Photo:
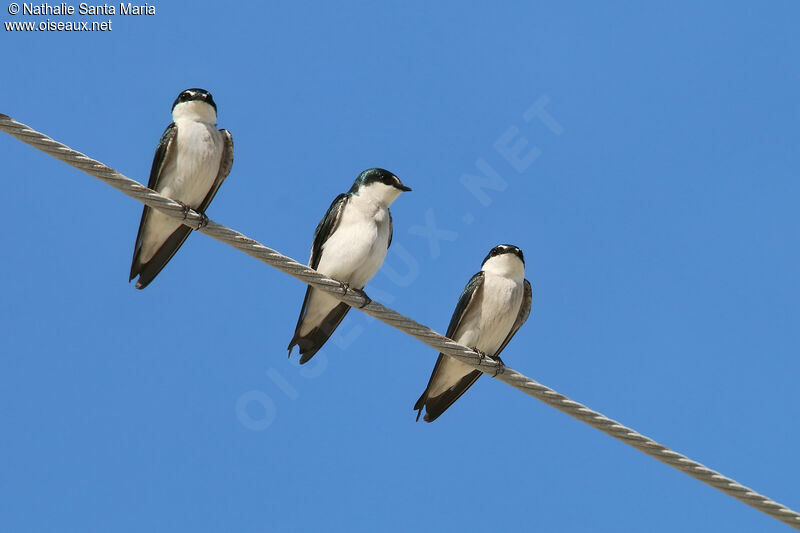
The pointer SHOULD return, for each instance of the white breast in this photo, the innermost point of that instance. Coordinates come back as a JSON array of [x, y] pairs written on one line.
[[492, 314], [353, 254], [357, 248], [190, 174]]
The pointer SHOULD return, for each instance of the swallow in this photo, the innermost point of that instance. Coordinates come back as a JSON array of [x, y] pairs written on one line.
[[493, 306], [350, 244], [192, 160]]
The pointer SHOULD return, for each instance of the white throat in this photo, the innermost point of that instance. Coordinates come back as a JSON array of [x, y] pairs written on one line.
[[379, 193], [506, 265], [196, 111]]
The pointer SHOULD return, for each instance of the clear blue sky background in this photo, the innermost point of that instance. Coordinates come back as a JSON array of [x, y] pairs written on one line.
[[660, 229]]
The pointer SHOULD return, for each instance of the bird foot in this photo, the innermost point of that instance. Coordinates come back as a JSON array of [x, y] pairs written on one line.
[[186, 209], [366, 299], [501, 366], [203, 218], [481, 354], [203, 221]]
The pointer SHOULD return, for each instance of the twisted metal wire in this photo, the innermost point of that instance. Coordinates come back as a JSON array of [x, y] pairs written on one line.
[[418, 331]]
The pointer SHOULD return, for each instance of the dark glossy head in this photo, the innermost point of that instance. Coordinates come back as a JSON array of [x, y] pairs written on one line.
[[501, 249], [190, 95], [378, 175]]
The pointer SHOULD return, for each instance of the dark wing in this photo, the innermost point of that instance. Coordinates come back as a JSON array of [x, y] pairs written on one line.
[[469, 292], [163, 153], [326, 227], [310, 343], [522, 316], [391, 229], [225, 164], [434, 407], [163, 150]]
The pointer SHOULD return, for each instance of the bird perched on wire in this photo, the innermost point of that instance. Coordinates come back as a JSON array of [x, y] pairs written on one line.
[[492, 307], [192, 160], [350, 244]]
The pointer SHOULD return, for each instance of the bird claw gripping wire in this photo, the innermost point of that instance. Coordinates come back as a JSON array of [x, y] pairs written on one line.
[[186, 209], [203, 221], [203, 218], [483, 356], [501, 366], [360, 292]]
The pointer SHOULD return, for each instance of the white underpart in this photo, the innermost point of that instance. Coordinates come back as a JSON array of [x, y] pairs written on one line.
[[356, 250], [488, 319], [191, 171]]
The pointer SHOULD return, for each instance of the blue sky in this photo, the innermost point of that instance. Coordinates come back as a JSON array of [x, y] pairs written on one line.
[[656, 204]]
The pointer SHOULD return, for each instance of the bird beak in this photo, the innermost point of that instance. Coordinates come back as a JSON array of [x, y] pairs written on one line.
[[404, 188]]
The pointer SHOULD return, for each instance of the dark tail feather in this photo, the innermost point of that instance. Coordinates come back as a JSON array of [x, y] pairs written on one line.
[[148, 271], [420, 404], [310, 343], [434, 407]]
